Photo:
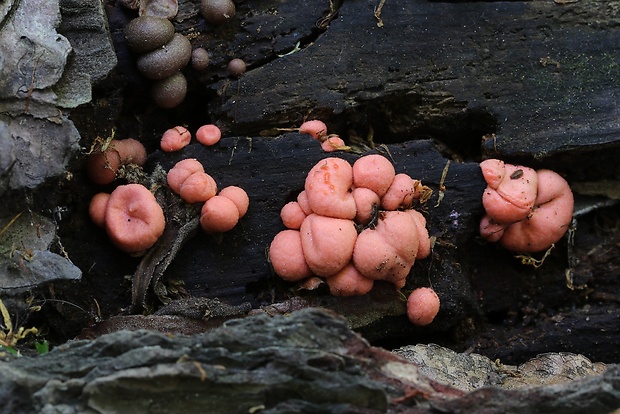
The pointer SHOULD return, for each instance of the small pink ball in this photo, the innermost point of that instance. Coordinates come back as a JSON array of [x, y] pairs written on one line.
[[97, 208], [375, 172], [198, 187], [238, 196], [292, 215], [287, 257], [208, 135], [349, 282], [422, 306], [218, 215], [175, 138], [333, 143], [315, 128]]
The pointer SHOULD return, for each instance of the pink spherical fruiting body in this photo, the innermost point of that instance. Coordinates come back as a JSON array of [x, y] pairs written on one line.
[[175, 139], [218, 215], [209, 134], [422, 306], [374, 172], [102, 167], [292, 215], [328, 188], [333, 143], [388, 251], [491, 230], [181, 170], [130, 151], [402, 193], [327, 243], [287, 257], [349, 282], [134, 221], [238, 196], [527, 210], [315, 128], [97, 208], [198, 187], [511, 190], [549, 219]]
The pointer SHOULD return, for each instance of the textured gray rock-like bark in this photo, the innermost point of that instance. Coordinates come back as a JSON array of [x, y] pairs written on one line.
[[25, 259], [308, 361], [42, 74]]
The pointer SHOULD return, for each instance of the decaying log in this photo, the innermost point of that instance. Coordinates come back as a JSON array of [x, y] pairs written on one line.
[[540, 75], [535, 82]]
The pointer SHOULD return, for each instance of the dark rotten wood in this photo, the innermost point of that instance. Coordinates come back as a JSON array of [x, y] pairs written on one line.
[[440, 78], [543, 75], [273, 172]]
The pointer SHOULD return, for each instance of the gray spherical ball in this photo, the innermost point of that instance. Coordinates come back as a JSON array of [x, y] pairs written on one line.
[[167, 60], [237, 67], [146, 33], [217, 11], [200, 59], [170, 92]]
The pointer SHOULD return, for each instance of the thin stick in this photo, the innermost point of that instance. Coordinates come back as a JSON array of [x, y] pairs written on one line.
[[378, 13]]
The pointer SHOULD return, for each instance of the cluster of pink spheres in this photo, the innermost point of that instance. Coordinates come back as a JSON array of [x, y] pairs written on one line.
[[219, 213], [318, 130], [133, 219], [179, 137], [526, 210], [322, 237]]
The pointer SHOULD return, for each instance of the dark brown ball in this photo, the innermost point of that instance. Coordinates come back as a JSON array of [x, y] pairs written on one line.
[[146, 33], [237, 67], [200, 59], [102, 167], [170, 92], [167, 60], [217, 11]]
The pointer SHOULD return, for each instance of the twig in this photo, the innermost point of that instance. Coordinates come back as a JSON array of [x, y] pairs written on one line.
[[527, 259], [378, 13], [182, 225], [10, 223], [442, 187]]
